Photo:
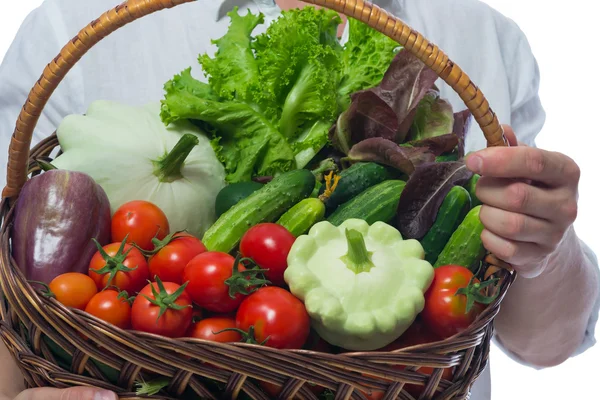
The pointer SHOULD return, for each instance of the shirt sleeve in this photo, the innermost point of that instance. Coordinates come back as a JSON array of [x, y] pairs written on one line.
[[39, 39]]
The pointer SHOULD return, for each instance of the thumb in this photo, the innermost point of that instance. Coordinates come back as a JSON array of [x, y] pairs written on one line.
[[74, 393]]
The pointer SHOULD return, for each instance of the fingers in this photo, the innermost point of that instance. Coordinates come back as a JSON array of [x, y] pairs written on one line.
[[74, 393], [529, 257], [556, 205], [550, 168], [520, 228]]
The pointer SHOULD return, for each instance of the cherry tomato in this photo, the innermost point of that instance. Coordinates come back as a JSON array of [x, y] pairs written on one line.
[[207, 329], [445, 313], [120, 265], [211, 278], [278, 318], [268, 245], [73, 289], [171, 300], [140, 221], [111, 306], [173, 255]]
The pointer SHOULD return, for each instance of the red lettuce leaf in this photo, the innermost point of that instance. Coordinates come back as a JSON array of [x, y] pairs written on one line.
[[438, 145], [386, 152], [462, 123], [386, 110], [424, 193]]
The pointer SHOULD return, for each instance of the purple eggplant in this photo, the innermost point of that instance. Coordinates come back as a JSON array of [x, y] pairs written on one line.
[[57, 215]]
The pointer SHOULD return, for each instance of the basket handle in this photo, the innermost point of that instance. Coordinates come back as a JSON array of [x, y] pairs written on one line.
[[131, 10]]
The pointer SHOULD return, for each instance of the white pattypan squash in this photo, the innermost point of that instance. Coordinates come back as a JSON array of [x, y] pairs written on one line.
[[130, 153]]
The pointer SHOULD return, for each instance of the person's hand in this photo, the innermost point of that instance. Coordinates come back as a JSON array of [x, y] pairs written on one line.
[[529, 201], [74, 393]]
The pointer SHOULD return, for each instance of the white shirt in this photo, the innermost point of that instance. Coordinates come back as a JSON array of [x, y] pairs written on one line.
[[133, 63]]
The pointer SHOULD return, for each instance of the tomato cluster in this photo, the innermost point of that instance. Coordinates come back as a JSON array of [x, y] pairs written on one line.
[[152, 280]]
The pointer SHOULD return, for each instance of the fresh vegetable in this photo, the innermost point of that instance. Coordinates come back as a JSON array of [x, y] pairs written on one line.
[[218, 282], [465, 246], [298, 219], [268, 245], [163, 309], [231, 194], [72, 289], [454, 300], [170, 256], [271, 98], [139, 221], [56, 216], [471, 186], [265, 205], [275, 317], [120, 265], [355, 180], [372, 288], [111, 306], [424, 193], [215, 329], [433, 117], [377, 203], [133, 156], [453, 210]]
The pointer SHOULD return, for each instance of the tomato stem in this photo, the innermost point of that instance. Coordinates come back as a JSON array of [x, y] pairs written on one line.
[[113, 264], [473, 293], [46, 292], [153, 387], [168, 168], [247, 337], [244, 282], [165, 300], [358, 258], [159, 244]]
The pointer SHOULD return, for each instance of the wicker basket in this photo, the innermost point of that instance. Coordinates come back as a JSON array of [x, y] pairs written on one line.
[[47, 339]]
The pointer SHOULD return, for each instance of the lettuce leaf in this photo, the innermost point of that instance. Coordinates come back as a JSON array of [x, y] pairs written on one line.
[[433, 117]]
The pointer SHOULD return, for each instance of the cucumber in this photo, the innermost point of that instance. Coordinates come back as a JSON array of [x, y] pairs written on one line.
[[231, 194], [453, 210], [300, 218], [464, 247], [266, 204], [377, 203], [471, 185], [354, 181]]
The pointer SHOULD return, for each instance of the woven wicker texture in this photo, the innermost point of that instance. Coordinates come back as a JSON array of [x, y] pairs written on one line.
[[60, 347]]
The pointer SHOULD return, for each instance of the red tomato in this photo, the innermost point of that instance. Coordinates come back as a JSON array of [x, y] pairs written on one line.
[[112, 307], [211, 279], [171, 300], [173, 255], [140, 221], [276, 316], [268, 245], [445, 313], [73, 289], [207, 329], [120, 265]]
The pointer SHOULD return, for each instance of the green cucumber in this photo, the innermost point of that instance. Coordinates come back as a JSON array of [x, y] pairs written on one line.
[[231, 194], [464, 247], [354, 181], [471, 186], [266, 204], [453, 210], [300, 218], [377, 203]]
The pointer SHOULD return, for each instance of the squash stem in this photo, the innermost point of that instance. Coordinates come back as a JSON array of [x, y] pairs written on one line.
[[168, 168], [358, 258]]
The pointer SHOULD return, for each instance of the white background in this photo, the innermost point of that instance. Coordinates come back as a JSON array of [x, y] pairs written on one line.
[[563, 36]]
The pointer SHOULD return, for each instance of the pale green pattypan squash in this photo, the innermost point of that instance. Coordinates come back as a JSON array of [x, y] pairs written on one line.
[[130, 153], [362, 285]]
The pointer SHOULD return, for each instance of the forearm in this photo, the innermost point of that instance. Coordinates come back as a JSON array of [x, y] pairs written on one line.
[[543, 320]]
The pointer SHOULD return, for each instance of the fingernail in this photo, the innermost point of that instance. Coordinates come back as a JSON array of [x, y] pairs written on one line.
[[474, 163], [105, 395]]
